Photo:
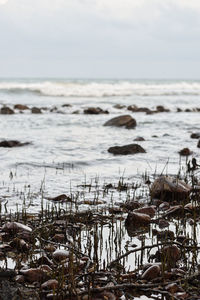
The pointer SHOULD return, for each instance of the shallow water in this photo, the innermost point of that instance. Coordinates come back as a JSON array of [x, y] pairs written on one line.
[[69, 149]]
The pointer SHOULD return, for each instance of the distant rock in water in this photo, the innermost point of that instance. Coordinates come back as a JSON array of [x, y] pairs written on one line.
[[170, 189], [12, 143], [198, 144], [127, 149], [139, 139], [185, 152], [195, 135], [5, 110], [95, 111], [21, 107], [126, 120], [36, 110]]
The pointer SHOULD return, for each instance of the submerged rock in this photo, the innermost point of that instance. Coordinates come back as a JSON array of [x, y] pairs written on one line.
[[95, 111], [12, 143], [126, 149], [5, 110], [170, 189], [122, 121]]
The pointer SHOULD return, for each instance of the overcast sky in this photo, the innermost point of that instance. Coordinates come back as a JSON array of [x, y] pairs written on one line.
[[100, 38]]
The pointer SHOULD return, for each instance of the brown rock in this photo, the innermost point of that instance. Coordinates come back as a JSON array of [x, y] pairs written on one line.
[[51, 284], [151, 273], [147, 210], [137, 219], [127, 149], [21, 107], [59, 237], [170, 255], [139, 139], [119, 106], [130, 205], [36, 110], [170, 189], [185, 152], [122, 121], [5, 110], [95, 111], [161, 108], [172, 288], [60, 254], [60, 198], [15, 227], [34, 275], [195, 135], [12, 143]]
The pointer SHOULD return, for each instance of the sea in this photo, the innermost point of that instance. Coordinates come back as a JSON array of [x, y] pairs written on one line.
[[69, 148]]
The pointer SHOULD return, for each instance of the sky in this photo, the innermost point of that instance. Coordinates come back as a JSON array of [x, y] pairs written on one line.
[[100, 38]]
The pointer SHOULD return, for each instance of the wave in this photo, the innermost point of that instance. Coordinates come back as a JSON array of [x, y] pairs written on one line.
[[101, 88]]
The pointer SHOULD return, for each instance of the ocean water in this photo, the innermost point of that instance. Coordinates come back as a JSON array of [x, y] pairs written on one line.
[[68, 149]]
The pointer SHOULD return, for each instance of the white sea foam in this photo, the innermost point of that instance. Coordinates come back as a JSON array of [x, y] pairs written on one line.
[[101, 88]]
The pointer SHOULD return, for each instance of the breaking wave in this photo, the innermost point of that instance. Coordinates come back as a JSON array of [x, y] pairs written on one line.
[[101, 88]]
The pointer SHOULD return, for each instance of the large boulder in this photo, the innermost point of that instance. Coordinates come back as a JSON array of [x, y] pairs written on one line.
[[170, 189], [126, 149], [122, 121]]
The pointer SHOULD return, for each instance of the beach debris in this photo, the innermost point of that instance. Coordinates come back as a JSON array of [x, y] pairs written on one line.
[[5, 110], [170, 189], [126, 149], [95, 111], [12, 143], [122, 121]]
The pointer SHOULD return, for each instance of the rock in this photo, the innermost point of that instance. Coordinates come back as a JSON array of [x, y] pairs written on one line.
[[19, 279], [170, 255], [185, 152], [5, 110], [95, 111], [12, 143], [36, 110], [60, 198], [126, 149], [170, 189], [137, 219], [198, 144], [66, 105], [195, 135], [147, 210], [34, 275], [179, 109], [60, 254], [176, 210], [134, 108], [161, 108], [139, 139], [15, 227], [163, 223], [119, 106], [19, 245], [130, 205], [21, 107], [122, 121], [59, 238], [172, 288], [51, 284], [151, 273]]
